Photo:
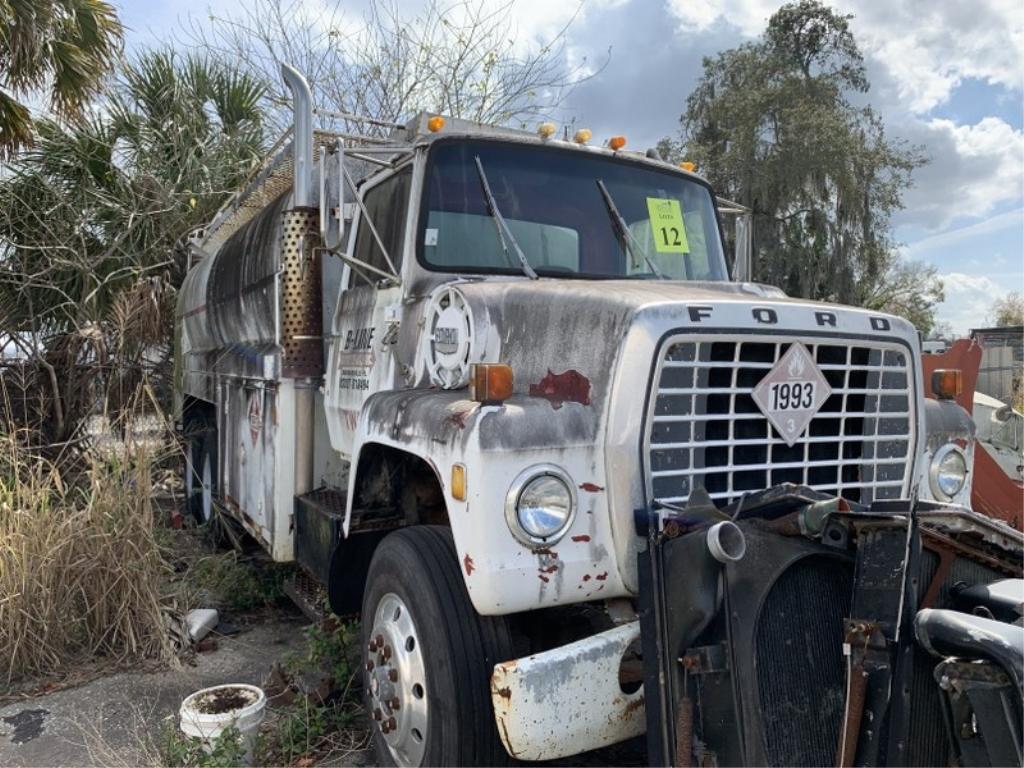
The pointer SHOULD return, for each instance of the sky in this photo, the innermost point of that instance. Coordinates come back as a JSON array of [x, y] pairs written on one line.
[[946, 76]]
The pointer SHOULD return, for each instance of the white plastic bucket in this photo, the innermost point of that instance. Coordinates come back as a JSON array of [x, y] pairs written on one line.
[[199, 722]]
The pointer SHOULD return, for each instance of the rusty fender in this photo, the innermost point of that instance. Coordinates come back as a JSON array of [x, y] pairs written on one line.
[[567, 700]]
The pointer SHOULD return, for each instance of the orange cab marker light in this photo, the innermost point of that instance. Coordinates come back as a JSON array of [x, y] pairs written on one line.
[[459, 482], [435, 124], [947, 383], [583, 135], [490, 383], [686, 165], [546, 130], [617, 142]]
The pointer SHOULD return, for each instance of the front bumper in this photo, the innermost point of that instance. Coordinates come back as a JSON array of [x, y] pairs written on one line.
[[569, 699]]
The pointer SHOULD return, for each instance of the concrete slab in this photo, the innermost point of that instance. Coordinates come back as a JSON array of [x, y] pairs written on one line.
[[117, 720]]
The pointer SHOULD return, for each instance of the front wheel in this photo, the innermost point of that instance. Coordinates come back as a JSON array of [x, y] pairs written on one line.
[[428, 656]]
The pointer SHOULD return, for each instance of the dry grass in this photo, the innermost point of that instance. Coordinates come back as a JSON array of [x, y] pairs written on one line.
[[81, 573]]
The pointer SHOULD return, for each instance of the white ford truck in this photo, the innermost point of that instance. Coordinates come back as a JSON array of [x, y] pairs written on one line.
[[475, 380]]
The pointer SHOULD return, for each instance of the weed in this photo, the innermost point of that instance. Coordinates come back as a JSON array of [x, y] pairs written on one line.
[[180, 751], [238, 584], [326, 720], [331, 647], [81, 574]]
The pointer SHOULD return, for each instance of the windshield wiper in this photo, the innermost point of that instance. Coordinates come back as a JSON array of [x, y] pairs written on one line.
[[622, 230], [505, 235]]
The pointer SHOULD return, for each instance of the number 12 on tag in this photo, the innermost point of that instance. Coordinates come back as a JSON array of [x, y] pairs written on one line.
[[667, 225]]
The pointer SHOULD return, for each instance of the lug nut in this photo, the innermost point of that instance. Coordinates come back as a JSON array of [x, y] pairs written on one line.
[[387, 652], [377, 714], [393, 675], [392, 723], [369, 665], [384, 728], [379, 640], [394, 703], [372, 646]]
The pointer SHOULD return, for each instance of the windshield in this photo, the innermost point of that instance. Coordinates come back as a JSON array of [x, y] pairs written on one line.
[[553, 203]]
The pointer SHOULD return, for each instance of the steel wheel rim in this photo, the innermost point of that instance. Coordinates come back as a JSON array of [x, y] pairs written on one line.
[[206, 508], [190, 472], [396, 681]]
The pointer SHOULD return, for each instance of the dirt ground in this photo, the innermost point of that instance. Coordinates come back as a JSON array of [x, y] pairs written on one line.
[[117, 720]]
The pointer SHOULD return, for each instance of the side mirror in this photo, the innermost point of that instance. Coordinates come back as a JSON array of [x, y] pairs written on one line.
[[335, 214], [742, 266]]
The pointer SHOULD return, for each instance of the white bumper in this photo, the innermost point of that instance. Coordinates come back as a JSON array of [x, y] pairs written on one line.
[[567, 700]]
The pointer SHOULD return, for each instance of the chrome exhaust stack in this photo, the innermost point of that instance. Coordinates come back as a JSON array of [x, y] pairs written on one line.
[[302, 136]]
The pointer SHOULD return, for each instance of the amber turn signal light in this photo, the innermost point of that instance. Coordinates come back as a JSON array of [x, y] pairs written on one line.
[[459, 482], [490, 383], [947, 383], [617, 142]]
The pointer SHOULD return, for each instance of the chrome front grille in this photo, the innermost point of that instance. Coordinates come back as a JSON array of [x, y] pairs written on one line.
[[704, 429]]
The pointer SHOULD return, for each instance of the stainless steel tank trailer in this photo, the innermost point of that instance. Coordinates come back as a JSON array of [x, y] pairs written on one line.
[[496, 392]]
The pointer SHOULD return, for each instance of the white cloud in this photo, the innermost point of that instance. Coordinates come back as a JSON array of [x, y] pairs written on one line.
[[749, 16], [969, 299], [929, 47], [943, 241], [925, 47], [539, 21], [973, 169]]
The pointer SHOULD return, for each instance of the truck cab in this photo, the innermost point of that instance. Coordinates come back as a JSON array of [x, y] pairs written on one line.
[[489, 387]]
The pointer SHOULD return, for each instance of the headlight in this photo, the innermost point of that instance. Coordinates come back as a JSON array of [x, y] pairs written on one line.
[[948, 472], [540, 505]]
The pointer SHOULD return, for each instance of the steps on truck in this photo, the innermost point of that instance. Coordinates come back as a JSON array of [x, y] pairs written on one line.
[[319, 529]]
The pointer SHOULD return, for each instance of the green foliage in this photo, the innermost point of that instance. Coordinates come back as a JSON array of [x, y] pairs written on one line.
[[304, 728], [94, 214], [1008, 310], [238, 585], [778, 126], [180, 751], [910, 289], [312, 724], [65, 47], [331, 647]]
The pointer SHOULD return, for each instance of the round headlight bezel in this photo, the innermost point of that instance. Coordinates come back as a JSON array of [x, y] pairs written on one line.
[[515, 492], [935, 471]]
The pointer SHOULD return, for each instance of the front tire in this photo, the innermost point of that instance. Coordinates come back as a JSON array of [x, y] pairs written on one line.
[[426, 650]]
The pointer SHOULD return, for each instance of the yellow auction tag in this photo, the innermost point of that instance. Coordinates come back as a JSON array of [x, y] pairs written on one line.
[[667, 225]]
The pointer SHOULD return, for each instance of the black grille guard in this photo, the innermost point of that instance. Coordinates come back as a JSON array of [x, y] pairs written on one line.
[[804, 652]]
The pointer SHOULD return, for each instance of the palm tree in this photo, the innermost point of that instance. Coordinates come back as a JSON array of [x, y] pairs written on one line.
[[93, 214], [64, 47]]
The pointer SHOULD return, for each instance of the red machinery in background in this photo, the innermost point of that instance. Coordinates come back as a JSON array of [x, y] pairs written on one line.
[[994, 492]]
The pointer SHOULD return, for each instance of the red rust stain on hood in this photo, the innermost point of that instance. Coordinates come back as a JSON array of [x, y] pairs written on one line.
[[467, 563], [591, 487], [559, 388], [581, 537]]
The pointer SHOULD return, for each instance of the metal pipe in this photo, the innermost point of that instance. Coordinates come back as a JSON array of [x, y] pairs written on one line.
[[302, 141], [726, 542]]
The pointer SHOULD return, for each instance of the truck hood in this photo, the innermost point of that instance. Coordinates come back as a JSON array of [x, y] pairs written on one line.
[[563, 337]]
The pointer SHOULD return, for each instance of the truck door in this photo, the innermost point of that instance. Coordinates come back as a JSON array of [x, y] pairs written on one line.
[[360, 361]]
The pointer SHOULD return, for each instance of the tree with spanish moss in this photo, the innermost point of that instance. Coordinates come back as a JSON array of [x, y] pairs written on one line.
[[780, 125]]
